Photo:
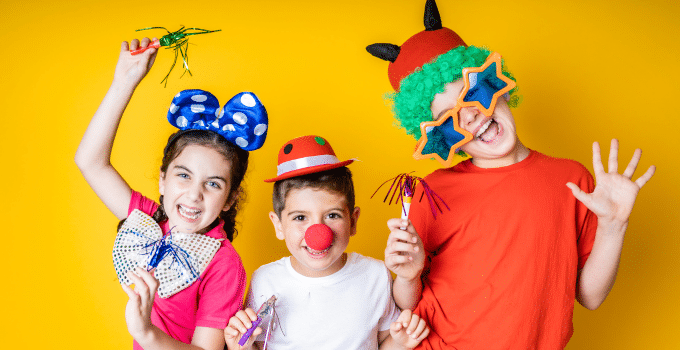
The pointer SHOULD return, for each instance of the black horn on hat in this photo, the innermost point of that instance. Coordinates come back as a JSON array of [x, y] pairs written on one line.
[[387, 52]]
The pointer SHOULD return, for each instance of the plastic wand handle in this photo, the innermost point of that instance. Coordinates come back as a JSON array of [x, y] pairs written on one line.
[[250, 331], [155, 44]]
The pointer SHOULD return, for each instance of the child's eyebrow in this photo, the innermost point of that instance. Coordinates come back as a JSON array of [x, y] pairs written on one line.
[[182, 167], [342, 209], [218, 178]]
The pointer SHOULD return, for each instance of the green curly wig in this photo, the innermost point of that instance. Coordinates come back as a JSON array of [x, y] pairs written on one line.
[[411, 105]]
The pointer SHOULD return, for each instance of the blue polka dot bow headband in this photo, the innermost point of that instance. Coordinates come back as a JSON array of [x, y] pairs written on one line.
[[242, 121]]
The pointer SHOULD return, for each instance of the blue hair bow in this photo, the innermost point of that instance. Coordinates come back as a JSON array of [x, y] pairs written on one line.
[[242, 121]]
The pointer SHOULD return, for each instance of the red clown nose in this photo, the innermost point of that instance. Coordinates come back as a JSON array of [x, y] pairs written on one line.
[[319, 237]]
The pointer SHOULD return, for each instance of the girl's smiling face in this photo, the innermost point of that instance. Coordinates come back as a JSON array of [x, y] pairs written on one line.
[[305, 207], [195, 189]]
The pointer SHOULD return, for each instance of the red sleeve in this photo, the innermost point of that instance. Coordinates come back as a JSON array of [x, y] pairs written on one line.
[[221, 291], [587, 222], [146, 205]]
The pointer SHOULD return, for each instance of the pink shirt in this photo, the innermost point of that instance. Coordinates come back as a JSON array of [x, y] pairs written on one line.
[[208, 302]]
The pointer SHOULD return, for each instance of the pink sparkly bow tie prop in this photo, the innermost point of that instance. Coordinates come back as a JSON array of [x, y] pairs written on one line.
[[179, 258]]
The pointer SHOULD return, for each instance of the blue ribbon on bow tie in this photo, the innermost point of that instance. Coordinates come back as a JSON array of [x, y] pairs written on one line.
[[242, 121], [165, 248]]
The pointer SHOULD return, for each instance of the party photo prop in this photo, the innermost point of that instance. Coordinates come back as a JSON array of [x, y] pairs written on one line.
[[441, 138], [306, 155], [243, 120], [484, 85], [402, 189], [266, 313], [416, 70], [176, 41], [179, 258]]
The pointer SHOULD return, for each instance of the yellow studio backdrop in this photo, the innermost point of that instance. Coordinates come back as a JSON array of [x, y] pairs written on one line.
[[588, 71]]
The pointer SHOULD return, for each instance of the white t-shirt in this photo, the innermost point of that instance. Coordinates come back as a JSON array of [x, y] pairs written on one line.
[[343, 311]]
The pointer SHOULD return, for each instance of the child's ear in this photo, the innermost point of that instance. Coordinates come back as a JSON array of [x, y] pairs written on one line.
[[161, 184], [232, 199], [277, 225], [355, 218]]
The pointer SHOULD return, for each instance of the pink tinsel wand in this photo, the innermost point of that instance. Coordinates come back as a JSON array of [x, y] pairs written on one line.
[[404, 187]]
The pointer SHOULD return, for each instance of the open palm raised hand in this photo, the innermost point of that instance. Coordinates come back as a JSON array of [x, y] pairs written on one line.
[[614, 194]]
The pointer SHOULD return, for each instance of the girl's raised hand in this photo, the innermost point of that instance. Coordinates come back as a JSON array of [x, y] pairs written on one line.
[[131, 69]]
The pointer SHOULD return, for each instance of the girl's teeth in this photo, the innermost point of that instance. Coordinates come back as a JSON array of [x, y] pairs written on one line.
[[189, 213]]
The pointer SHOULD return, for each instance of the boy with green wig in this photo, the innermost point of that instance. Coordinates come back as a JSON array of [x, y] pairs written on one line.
[[524, 234]]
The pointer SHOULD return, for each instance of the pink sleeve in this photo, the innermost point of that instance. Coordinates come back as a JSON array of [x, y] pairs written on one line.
[[221, 291], [587, 221], [146, 205]]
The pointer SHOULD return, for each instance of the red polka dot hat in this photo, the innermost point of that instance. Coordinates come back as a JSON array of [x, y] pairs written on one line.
[[306, 155]]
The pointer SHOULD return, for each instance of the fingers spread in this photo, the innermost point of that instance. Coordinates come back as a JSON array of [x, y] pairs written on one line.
[[646, 176], [578, 192], [597, 159], [613, 165], [632, 165]]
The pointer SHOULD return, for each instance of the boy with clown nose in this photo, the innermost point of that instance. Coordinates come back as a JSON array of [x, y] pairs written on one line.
[[325, 297], [525, 233]]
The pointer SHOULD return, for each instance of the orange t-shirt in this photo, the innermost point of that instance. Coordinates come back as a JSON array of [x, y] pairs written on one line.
[[502, 261]]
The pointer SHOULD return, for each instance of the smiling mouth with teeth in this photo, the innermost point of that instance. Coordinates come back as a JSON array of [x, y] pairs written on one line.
[[488, 131], [189, 213], [318, 252]]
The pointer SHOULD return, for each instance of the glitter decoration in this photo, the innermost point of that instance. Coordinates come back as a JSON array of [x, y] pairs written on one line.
[[179, 258]]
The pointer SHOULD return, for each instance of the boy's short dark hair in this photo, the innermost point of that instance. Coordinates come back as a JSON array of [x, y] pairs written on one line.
[[337, 180]]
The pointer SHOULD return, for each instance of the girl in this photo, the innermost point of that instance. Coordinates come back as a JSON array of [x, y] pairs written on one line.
[[199, 183]]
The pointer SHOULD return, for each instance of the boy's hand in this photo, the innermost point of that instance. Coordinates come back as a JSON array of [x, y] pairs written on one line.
[[138, 308], [132, 69], [404, 254], [614, 195], [238, 326], [409, 330]]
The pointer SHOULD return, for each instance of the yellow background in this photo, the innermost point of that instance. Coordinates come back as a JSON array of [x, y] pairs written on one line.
[[588, 71]]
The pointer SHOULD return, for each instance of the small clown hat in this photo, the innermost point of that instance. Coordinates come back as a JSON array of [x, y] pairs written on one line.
[[423, 47], [306, 155]]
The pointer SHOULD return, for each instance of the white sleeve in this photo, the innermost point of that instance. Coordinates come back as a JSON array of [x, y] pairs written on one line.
[[391, 312]]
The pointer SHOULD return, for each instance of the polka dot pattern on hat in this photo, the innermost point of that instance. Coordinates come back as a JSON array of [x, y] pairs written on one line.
[[242, 121]]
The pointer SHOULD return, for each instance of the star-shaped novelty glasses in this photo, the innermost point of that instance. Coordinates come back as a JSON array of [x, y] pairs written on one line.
[[483, 86]]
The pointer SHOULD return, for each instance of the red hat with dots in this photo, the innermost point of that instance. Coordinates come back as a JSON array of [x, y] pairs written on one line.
[[419, 49], [306, 155]]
